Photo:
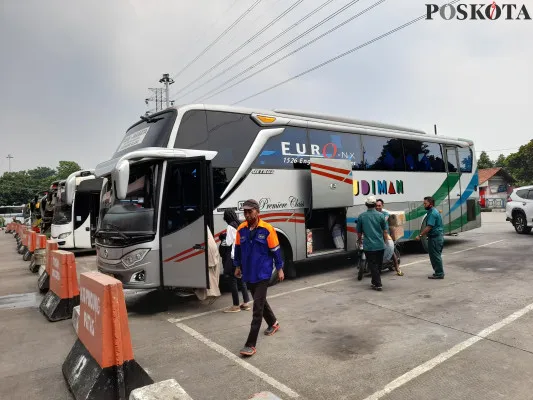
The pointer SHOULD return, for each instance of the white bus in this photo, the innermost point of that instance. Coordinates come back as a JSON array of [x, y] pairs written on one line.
[[175, 173], [76, 211], [13, 212]]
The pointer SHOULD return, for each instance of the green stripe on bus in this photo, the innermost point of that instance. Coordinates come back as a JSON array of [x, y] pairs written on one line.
[[439, 196], [455, 224]]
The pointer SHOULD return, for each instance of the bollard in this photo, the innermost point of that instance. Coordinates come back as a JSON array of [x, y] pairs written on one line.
[[39, 255], [100, 365], [64, 294], [44, 273], [23, 241], [30, 248], [18, 236]]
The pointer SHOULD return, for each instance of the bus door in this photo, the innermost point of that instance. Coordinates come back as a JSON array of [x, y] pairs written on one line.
[[81, 220], [331, 193], [186, 215], [331, 183], [94, 215], [457, 210]]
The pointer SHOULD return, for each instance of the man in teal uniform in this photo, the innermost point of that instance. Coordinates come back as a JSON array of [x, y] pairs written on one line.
[[435, 234], [373, 226]]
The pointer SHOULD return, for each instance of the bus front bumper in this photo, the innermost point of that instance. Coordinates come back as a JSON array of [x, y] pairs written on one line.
[[142, 276]]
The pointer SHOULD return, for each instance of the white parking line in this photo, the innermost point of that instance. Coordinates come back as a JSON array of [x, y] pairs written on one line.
[[477, 247], [428, 365], [175, 320], [225, 352]]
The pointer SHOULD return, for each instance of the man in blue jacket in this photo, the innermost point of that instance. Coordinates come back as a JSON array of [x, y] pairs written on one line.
[[256, 248]]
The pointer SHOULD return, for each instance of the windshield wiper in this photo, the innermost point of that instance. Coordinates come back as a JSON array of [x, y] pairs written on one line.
[[148, 118], [116, 230]]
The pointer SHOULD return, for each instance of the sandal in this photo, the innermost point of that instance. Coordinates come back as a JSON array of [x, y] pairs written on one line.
[[399, 273]]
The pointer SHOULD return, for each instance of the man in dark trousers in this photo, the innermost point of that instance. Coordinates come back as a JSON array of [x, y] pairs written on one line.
[[435, 233], [373, 226], [256, 248]]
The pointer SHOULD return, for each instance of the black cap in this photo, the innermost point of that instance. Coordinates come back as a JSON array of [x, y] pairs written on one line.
[[250, 205]]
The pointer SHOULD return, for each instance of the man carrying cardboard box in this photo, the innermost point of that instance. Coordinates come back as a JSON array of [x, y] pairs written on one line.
[[389, 246]]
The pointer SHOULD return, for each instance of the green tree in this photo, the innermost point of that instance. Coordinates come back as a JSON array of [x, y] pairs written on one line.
[[500, 161], [16, 188], [22, 186], [520, 164], [41, 173], [484, 161], [66, 168]]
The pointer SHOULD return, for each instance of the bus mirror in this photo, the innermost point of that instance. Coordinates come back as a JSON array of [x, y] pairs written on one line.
[[70, 187], [121, 178]]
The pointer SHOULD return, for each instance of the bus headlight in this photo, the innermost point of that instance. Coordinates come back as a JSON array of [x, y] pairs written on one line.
[[64, 235], [130, 259]]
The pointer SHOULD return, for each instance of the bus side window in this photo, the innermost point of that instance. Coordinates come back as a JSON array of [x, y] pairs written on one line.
[[465, 159], [192, 132], [451, 155], [183, 202], [382, 154], [423, 156]]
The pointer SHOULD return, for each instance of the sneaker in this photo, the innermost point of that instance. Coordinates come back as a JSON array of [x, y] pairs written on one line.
[[378, 288], [232, 309], [436, 276], [245, 307], [272, 329], [248, 351]]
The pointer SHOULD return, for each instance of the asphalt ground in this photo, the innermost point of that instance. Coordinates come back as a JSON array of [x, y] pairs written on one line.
[[464, 337]]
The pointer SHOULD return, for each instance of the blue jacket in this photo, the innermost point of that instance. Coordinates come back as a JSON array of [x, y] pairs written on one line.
[[256, 250]]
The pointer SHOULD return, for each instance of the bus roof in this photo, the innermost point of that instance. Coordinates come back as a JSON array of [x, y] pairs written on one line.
[[290, 117]]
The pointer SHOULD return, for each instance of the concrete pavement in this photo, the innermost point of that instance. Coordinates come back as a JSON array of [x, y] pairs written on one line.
[[338, 339]]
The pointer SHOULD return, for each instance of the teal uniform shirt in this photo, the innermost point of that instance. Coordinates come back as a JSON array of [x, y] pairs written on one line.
[[434, 219], [371, 224]]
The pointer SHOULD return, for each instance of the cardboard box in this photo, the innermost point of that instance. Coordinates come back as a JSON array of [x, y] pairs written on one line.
[[396, 218], [396, 232]]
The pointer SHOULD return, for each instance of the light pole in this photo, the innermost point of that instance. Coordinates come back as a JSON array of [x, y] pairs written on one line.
[[9, 157], [167, 81]]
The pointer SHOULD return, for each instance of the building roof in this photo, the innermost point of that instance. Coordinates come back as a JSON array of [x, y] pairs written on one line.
[[486, 174]]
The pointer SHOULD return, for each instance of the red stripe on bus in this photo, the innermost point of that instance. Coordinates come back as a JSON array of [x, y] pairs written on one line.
[[350, 229], [178, 255], [190, 256], [298, 221], [216, 237], [332, 169], [281, 214], [338, 178]]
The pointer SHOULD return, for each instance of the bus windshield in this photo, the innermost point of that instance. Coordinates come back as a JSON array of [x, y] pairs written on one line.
[[62, 214], [134, 216], [153, 131]]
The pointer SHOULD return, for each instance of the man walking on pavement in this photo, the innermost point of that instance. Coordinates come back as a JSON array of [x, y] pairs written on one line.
[[256, 248], [373, 226], [435, 234]]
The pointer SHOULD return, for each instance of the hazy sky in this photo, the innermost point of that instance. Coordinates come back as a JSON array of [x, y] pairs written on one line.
[[74, 74]]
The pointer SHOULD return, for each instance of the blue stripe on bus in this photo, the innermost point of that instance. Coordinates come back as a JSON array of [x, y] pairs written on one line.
[[351, 220], [466, 193]]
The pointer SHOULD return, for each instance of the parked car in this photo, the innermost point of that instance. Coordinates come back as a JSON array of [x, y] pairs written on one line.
[[519, 209]]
